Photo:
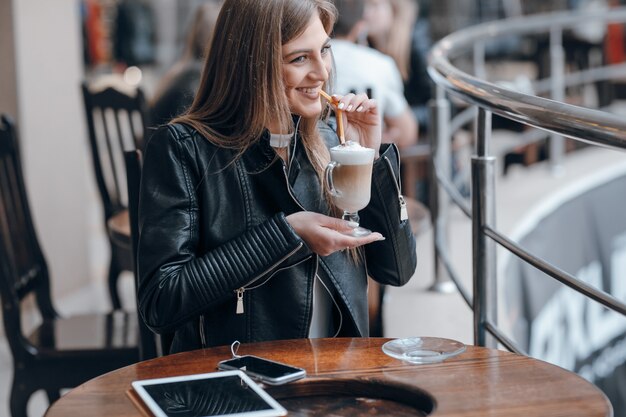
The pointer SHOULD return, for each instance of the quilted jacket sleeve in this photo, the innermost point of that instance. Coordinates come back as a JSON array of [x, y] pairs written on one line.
[[175, 282]]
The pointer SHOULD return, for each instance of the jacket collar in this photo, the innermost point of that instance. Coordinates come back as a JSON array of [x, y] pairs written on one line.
[[260, 155]]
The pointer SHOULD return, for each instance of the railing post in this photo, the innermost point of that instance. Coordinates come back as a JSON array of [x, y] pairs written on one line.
[[483, 248], [479, 60], [439, 201], [557, 75]]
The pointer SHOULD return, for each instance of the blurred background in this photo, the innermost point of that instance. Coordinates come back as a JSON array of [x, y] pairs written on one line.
[[47, 49]]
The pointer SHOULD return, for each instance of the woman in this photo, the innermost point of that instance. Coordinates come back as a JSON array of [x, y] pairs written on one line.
[[237, 240]]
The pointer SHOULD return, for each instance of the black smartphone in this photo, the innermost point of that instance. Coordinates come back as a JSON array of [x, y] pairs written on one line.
[[264, 370]]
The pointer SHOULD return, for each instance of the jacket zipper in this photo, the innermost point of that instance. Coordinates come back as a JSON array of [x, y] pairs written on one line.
[[239, 291], [404, 214]]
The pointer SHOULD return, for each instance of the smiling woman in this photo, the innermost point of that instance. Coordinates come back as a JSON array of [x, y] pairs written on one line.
[[238, 239]]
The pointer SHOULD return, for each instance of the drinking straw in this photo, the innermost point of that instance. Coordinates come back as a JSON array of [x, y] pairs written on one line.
[[338, 112], [326, 96]]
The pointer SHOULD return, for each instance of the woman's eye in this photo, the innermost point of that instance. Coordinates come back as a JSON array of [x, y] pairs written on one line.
[[298, 59], [325, 49]]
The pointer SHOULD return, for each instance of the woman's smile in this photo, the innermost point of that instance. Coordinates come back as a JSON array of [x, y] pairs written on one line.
[[312, 93]]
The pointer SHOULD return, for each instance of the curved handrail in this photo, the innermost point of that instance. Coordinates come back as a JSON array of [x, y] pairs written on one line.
[[565, 119], [579, 123]]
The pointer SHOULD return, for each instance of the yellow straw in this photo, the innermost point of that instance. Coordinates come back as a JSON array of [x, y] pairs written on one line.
[[338, 113], [326, 96]]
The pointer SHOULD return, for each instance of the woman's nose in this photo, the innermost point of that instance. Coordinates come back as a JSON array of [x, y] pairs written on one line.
[[320, 71]]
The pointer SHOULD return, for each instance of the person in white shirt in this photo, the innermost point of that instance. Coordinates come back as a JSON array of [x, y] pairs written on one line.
[[360, 69]]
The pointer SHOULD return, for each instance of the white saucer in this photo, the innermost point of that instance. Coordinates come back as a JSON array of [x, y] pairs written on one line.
[[423, 349]]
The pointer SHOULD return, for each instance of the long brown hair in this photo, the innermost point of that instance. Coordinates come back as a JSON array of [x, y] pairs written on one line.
[[242, 92]]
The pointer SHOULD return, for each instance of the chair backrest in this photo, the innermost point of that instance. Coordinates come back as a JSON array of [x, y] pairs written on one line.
[[116, 122], [23, 268], [133, 175]]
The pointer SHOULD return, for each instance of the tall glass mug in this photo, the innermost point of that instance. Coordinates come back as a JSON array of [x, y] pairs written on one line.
[[349, 178]]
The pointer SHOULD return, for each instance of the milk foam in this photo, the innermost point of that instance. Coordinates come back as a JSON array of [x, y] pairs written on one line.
[[352, 153]]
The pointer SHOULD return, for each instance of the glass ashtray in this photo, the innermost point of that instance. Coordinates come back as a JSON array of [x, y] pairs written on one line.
[[423, 349]]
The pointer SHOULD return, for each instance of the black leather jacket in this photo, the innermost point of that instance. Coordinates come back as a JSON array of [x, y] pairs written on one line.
[[210, 226]]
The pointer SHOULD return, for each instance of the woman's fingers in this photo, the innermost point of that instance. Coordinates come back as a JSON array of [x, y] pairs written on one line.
[[353, 242], [325, 235], [344, 226], [339, 225], [358, 108], [360, 116], [353, 102]]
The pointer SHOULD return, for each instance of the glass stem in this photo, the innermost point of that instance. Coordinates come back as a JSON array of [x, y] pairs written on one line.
[[351, 217]]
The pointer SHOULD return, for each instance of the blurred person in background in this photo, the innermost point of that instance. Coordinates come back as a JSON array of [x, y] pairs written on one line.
[[178, 86], [399, 28], [363, 69], [238, 238], [134, 33]]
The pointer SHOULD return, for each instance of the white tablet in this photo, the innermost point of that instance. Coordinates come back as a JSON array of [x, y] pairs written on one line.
[[229, 393]]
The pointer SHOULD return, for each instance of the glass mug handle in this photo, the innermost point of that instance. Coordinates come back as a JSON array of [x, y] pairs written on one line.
[[328, 174]]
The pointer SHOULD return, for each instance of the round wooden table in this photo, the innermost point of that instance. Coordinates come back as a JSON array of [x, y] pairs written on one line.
[[479, 382]]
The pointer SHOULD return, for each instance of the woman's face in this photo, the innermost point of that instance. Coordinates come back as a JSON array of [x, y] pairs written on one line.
[[379, 17], [306, 65]]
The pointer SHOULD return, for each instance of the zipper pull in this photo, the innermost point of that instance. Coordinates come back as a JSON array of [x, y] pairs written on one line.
[[240, 292], [404, 213]]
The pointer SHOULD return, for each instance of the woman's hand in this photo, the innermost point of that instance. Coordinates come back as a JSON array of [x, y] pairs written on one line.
[[324, 234], [361, 118]]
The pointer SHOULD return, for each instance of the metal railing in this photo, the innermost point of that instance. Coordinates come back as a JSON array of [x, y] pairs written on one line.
[[551, 115]]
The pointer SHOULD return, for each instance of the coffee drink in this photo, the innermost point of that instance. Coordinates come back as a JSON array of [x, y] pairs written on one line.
[[351, 176]]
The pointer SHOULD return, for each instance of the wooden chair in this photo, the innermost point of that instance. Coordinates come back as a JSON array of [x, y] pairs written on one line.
[[60, 352], [150, 344], [116, 122]]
